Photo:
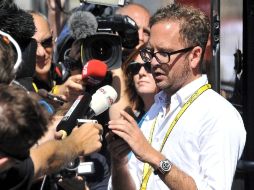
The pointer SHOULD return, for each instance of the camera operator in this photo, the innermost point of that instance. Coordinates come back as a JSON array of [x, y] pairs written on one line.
[[43, 71], [141, 16]]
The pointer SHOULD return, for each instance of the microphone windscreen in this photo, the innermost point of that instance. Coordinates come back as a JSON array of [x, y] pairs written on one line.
[[94, 71], [16, 22], [102, 99], [82, 24]]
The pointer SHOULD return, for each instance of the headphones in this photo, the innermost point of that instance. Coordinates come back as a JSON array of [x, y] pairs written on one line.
[[17, 48]]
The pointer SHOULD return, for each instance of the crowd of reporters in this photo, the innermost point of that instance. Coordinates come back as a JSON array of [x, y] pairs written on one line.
[[48, 85], [29, 86]]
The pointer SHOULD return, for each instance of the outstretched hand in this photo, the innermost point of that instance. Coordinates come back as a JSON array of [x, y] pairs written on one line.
[[127, 129], [71, 88], [87, 138]]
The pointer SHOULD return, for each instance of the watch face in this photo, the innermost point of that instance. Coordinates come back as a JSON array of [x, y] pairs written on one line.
[[165, 165]]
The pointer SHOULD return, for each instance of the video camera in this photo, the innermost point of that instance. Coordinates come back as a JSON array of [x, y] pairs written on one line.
[[114, 33]]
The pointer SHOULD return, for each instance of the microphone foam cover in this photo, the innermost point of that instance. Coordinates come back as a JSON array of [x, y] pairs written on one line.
[[82, 24], [94, 71]]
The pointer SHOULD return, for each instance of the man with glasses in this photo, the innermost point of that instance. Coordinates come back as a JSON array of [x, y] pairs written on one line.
[[43, 78], [191, 138]]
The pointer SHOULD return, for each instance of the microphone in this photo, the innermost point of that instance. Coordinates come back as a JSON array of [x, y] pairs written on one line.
[[77, 110], [82, 24], [94, 71], [17, 22], [102, 99], [87, 107], [47, 95]]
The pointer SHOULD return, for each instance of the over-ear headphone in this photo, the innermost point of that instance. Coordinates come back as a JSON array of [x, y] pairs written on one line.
[[17, 48]]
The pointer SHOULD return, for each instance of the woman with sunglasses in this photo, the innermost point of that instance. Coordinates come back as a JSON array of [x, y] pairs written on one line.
[[136, 87]]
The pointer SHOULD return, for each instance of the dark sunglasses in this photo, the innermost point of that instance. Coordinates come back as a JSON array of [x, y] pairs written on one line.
[[47, 42], [134, 67]]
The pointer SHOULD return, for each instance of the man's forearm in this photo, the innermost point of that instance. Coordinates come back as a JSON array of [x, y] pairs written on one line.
[[175, 179], [51, 156], [178, 180]]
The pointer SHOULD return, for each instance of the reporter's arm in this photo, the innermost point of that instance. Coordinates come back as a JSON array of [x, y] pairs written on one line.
[[51, 156]]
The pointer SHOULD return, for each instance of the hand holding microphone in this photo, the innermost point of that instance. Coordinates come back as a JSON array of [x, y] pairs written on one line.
[[87, 106], [93, 72]]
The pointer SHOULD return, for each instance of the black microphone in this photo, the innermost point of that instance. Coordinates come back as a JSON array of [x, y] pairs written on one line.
[[87, 107], [82, 24], [47, 95], [77, 110]]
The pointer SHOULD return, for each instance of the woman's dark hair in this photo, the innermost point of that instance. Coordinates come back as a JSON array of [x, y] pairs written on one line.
[[134, 98]]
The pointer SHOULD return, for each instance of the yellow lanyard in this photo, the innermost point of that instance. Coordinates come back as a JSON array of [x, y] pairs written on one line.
[[147, 171]]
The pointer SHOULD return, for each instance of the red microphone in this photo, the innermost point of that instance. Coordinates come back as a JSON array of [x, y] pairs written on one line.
[[94, 71]]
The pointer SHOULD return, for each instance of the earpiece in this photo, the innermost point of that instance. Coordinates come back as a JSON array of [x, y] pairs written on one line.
[[18, 50]]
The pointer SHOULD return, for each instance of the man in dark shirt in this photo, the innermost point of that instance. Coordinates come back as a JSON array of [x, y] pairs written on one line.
[[19, 176], [22, 122]]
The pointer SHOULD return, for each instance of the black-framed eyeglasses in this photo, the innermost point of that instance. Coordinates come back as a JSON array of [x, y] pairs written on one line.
[[47, 43], [134, 67], [161, 57]]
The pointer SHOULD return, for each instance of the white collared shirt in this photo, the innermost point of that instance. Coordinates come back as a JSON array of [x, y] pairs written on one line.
[[206, 142]]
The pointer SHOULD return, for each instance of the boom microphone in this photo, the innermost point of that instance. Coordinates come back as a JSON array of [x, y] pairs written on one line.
[[87, 107], [82, 24], [16, 22], [94, 71]]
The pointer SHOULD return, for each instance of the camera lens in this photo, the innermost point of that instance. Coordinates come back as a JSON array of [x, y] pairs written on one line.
[[105, 47], [101, 50]]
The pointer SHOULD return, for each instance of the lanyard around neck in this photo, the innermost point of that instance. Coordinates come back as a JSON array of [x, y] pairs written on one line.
[[147, 171]]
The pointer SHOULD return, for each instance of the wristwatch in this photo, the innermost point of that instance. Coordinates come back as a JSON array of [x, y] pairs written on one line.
[[164, 167]]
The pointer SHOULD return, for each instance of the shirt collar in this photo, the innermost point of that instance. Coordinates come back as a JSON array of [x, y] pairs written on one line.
[[184, 93]]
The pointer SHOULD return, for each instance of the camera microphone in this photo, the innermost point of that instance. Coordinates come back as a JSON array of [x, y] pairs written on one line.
[[94, 71], [47, 95], [82, 24], [87, 107]]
